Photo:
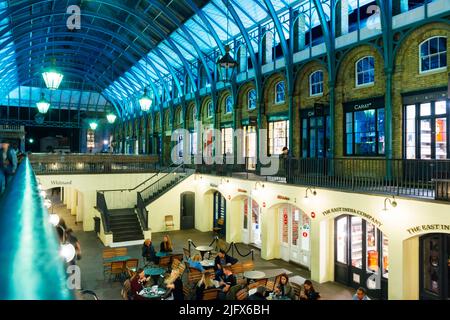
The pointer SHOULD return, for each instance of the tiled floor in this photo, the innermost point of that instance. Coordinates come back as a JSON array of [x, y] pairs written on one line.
[[92, 272]]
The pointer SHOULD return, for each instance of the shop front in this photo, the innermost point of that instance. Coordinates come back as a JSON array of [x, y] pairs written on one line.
[[435, 267], [249, 143], [278, 135], [251, 229], [219, 210], [315, 132], [294, 231], [361, 255]]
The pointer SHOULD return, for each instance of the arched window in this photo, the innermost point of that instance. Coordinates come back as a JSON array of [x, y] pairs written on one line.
[[179, 118], [209, 110], [229, 104], [252, 99], [433, 54], [280, 92], [316, 83], [365, 71]]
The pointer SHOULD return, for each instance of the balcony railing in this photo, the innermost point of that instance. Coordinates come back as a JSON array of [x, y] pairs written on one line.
[[47, 164], [413, 178]]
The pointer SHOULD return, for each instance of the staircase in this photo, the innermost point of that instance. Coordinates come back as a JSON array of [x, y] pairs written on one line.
[[124, 225]]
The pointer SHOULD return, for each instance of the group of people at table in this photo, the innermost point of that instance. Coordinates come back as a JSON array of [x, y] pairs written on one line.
[[217, 275]]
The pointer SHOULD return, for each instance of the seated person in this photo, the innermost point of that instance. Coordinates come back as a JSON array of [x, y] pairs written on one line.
[[148, 251], [166, 245], [260, 294], [227, 281], [360, 294], [284, 289], [309, 293], [138, 282], [222, 260], [206, 282], [194, 262]]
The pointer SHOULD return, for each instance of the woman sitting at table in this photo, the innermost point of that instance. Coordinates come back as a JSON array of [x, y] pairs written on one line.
[[195, 262], [207, 282], [137, 283], [284, 289], [166, 245], [148, 251], [175, 284], [309, 293]]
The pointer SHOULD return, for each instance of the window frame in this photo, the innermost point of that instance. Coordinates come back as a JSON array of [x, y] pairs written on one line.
[[356, 73], [276, 92], [315, 84], [227, 99], [437, 54], [249, 99], [208, 110]]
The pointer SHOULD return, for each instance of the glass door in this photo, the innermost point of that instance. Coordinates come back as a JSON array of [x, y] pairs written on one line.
[[250, 147], [356, 250], [294, 235], [220, 209], [255, 234], [245, 221]]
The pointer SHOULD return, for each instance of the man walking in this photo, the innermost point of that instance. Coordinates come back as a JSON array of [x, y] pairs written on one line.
[[8, 165]]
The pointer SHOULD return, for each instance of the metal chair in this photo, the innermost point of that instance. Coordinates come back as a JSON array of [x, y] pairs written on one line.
[[169, 222]]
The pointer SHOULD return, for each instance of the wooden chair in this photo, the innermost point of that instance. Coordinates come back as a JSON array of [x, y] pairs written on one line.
[[256, 284], [248, 265], [178, 257], [132, 265], [194, 276], [169, 222], [107, 254], [164, 262], [121, 252], [241, 294], [175, 264], [211, 294], [297, 290], [237, 268], [186, 253], [117, 269], [271, 285]]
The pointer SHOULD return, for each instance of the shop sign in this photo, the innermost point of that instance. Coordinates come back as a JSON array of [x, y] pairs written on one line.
[[280, 197], [362, 214], [429, 227], [61, 183], [242, 190], [213, 185]]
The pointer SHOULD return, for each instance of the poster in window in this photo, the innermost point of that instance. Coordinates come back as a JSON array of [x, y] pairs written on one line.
[[285, 226], [245, 214], [295, 223]]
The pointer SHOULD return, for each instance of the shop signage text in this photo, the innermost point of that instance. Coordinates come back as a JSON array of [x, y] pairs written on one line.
[[280, 197], [212, 185], [242, 190], [355, 212], [61, 183], [429, 227]]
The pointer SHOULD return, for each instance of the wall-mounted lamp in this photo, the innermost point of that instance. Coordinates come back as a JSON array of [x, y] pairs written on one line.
[[392, 203], [259, 185], [311, 190]]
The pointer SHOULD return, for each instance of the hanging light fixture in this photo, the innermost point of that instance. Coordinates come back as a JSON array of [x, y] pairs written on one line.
[[145, 102], [111, 117], [93, 125], [52, 77], [226, 65], [43, 105]]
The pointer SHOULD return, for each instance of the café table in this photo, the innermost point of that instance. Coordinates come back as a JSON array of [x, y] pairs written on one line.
[[154, 272], [203, 250], [117, 259], [162, 254], [254, 275]]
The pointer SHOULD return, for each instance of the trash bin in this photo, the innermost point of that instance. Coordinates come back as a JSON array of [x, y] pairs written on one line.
[[97, 224]]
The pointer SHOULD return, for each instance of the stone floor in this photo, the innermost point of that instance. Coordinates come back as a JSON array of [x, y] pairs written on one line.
[[92, 272]]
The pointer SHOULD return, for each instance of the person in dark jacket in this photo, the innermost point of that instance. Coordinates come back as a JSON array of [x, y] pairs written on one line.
[[260, 294], [148, 251], [309, 293], [222, 260], [8, 165], [228, 280]]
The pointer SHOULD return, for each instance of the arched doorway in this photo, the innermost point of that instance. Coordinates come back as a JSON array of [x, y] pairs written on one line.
[[251, 227], [294, 235], [219, 214], [434, 267], [361, 255], [187, 211]]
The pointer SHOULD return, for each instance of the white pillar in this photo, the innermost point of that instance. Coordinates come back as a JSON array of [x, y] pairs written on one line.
[[270, 247], [396, 269], [322, 251], [89, 198]]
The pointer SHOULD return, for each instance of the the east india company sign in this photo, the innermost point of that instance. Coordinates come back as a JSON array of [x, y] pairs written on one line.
[[429, 227], [354, 212]]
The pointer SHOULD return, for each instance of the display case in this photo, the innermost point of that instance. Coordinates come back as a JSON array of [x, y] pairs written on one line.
[[356, 242]]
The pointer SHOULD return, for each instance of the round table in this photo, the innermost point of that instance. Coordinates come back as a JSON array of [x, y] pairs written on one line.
[[154, 271], [254, 275], [162, 254], [203, 250], [117, 259]]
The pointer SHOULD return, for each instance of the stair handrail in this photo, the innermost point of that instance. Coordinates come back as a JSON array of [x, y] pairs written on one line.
[[162, 178], [130, 190], [142, 212], [102, 207]]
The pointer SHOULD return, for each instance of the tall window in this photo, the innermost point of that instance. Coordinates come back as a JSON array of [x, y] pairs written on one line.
[[364, 129], [316, 83], [426, 130], [433, 54], [365, 71], [227, 140], [210, 110], [229, 105], [252, 99], [280, 92], [193, 142], [278, 136]]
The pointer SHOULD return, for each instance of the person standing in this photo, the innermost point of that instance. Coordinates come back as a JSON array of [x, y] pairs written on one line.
[[8, 165]]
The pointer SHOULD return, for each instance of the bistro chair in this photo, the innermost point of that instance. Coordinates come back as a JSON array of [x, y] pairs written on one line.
[[241, 295], [107, 254], [117, 269], [258, 283], [178, 257], [121, 252], [194, 276], [169, 222], [175, 264], [211, 294], [271, 285], [164, 262], [132, 265], [297, 290], [186, 253]]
